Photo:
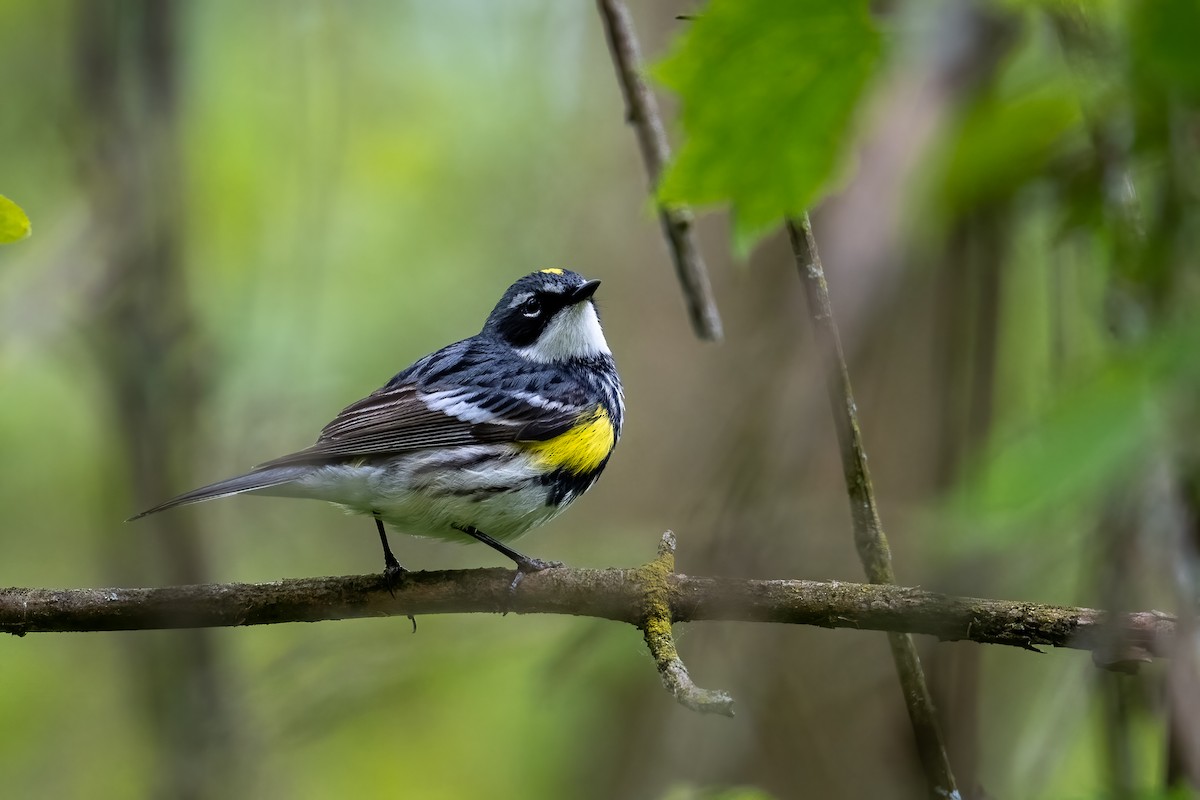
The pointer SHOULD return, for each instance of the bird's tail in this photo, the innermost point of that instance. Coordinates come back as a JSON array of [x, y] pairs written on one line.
[[251, 481]]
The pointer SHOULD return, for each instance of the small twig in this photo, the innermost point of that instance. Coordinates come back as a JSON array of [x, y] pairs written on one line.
[[869, 537], [642, 114], [656, 628]]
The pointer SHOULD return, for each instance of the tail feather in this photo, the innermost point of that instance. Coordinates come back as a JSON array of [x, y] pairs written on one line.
[[259, 479]]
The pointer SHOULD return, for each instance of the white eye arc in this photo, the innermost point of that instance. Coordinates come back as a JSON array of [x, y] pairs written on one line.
[[531, 307]]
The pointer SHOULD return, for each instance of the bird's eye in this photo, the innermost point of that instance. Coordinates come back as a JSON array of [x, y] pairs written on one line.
[[531, 307]]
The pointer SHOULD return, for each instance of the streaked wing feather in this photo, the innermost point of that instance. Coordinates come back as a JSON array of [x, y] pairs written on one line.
[[398, 419], [382, 410]]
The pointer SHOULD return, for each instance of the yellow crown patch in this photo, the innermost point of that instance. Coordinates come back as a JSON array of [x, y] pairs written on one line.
[[580, 450], [552, 271]]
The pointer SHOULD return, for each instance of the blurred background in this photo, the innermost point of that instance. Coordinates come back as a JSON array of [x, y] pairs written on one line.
[[247, 215]]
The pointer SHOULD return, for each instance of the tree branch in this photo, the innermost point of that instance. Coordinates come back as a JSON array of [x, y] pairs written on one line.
[[642, 114], [869, 537], [641, 597]]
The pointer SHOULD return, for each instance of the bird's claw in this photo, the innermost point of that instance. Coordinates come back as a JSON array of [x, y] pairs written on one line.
[[393, 576], [530, 565]]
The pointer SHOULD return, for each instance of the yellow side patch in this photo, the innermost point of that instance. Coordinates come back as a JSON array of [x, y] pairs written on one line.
[[552, 271], [580, 450]]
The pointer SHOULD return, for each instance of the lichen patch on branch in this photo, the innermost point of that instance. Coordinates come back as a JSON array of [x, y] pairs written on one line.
[[656, 629]]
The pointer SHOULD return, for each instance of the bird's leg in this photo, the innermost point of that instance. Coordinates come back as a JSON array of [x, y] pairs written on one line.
[[525, 564], [391, 567], [392, 571]]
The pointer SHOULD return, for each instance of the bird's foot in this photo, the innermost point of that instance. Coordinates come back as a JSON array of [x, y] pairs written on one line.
[[527, 565], [393, 575]]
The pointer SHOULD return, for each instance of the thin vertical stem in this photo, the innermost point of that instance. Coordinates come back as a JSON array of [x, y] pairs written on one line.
[[869, 537], [642, 114]]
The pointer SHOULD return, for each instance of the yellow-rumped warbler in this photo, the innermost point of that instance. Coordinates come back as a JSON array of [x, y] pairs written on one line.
[[485, 438]]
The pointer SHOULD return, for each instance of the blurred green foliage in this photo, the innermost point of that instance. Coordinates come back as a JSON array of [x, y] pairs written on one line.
[[1163, 46], [1070, 170], [359, 182], [14, 225], [1003, 143]]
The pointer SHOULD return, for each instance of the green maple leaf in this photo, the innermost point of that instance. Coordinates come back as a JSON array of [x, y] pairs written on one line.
[[768, 91]]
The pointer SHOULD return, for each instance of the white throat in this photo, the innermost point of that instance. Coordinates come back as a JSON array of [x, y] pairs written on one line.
[[574, 332]]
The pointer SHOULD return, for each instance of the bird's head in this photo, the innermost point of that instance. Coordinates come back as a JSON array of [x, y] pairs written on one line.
[[550, 317]]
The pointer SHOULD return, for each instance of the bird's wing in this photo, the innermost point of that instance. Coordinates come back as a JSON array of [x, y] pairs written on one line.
[[402, 417]]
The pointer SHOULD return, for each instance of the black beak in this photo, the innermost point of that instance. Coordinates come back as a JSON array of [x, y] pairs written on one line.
[[583, 292]]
